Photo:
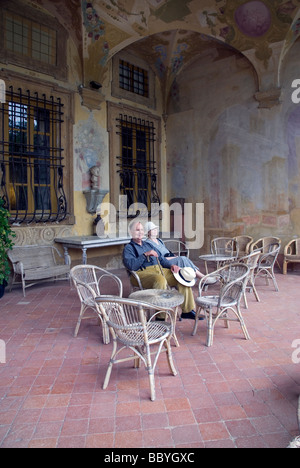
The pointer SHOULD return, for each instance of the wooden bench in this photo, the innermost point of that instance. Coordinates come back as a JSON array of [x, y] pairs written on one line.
[[37, 263]]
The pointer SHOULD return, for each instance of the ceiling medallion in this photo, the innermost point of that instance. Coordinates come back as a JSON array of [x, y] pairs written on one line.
[[253, 18]]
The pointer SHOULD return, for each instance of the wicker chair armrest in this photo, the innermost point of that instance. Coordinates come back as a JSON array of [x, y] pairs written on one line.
[[288, 247], [256, 246], [268, 258], [248, 246], [86, 286], [136, 277], [203, 281], [166, 311], [115, 279]]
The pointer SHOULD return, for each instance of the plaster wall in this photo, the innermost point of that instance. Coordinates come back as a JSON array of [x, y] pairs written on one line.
[[241, 161]]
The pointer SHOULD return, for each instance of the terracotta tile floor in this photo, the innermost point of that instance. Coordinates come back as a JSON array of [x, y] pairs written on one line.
[[237, 393]]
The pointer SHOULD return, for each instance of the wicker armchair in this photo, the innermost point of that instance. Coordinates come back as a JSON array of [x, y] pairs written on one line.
[[132, 325], [291, 254], [87, 279], [225, 303], [243, 243], [226, 246], [263, 244], [266, 263], [177, 247], [251, 261]]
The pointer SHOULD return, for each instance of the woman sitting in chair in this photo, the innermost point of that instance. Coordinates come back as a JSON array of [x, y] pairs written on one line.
[[181, 261], [154, 270]]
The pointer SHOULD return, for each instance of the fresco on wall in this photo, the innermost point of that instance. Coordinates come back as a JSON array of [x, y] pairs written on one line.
[[293, 138], [90, 150]]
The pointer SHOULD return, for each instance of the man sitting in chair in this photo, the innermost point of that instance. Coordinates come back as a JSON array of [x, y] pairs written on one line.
[[145, 260]]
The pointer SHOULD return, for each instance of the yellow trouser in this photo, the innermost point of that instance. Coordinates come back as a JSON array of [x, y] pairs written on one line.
[[151, 278]]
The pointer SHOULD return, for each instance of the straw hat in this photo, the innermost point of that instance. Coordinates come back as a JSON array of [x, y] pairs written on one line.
[[186, 276], [149, 226]]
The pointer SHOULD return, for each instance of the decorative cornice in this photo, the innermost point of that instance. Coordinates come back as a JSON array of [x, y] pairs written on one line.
[[91, 98]]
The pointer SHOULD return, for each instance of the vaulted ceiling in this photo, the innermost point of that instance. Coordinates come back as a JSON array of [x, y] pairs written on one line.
[[170, 33]]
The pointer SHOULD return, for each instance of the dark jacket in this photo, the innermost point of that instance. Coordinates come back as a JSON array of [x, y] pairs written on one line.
[[134, 258]]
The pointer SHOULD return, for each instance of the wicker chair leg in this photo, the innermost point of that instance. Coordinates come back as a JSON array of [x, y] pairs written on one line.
[[284, 267], [255, 291], [196, 321], [245, 299], [137, 363], [110, 365], [152, 384], [81, 313], [210, 329], [174, 332], [243, 325], [105, 332], [275, 282], [226, 323], [170, 357], [107, 376]]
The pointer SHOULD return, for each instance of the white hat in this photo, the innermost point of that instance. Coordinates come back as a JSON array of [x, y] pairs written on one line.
[[149, 226], [186, 276]]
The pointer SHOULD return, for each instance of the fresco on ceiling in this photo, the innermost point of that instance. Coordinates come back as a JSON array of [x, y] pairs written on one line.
[[95, 27], [172, 10], [252, 25], [253, 18], [161, 52], [137, 13], [256, 24]]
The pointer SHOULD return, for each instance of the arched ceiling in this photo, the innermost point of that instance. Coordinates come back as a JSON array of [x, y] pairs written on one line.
[[169, 52], [170, 32]]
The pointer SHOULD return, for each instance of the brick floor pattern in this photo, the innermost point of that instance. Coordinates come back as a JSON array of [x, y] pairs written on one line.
[[236, 394]]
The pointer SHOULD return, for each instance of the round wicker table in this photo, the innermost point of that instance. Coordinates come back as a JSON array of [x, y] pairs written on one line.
[[220, 260], [161, 297]]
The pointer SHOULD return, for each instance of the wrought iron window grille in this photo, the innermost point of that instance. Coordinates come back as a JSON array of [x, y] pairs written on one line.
[[31, 161], [133, 78], [137, 164]]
